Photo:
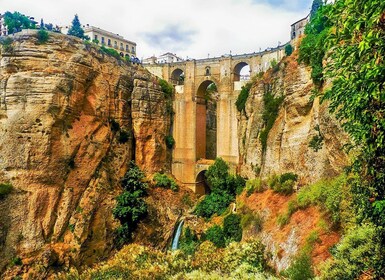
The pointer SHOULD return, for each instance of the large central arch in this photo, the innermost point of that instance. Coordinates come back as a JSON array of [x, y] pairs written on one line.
[[241, 71], [206, 121]]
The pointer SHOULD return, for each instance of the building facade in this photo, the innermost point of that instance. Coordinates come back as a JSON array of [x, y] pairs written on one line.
[[298, 27], [108, 39], [3, 27], [164, 58]]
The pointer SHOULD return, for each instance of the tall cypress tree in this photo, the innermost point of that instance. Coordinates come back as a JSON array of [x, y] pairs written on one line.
[[76, 28]]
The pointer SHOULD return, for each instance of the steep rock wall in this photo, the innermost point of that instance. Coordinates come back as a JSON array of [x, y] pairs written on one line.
[[287, 148], [60, 103]]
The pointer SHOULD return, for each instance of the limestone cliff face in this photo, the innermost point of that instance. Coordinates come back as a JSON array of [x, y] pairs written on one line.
[[297, 122], [59, 141]]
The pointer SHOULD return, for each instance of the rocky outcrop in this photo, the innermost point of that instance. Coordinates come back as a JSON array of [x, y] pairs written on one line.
[[299, 117], [71, 118]]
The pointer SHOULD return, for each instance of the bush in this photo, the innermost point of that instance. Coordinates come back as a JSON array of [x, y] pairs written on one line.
[[300, 269], [124, 136], [359, 251], [232, 228], [242, 97], [251, 219], [5, 189], [167, 89], [16, 261], [214, 203], [217, 175], [130, 207], [254, 185], [163, 181], [7, 44], [288, 49], [216, 236], [283, 220], [283, 184], [170, 142], [188, 242], [42, 36], [111, 52], [269, 115], [114, 125]]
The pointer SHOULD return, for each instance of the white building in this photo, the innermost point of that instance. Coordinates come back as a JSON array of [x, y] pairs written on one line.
[[3, 27], [108, 39], [164, 58], [298, 27]]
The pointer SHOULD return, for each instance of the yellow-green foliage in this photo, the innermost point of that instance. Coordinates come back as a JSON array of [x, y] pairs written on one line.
[[254, 185], [5, 189], [237, 261]]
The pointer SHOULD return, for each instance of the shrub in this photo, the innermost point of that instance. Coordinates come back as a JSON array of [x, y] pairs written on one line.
[[42, 36], [274, 65], [238, 182], [216, 236], [214, 203], [163, 181], [170, 142], [111, 52], [288, 176], [130, 207], [358, 251], [254, 185], [114, 125], [232, 228], [283, 184], [242, 97], [288, 49], [300, 269], [251, 219], [7, 44], [217, 175], [269, 115], [283, 220], [189, 242], [124, 136], [5, 189], [166, 88], [16, 261]]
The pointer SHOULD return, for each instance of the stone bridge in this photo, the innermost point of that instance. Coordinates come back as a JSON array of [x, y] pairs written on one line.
[[205, 122]]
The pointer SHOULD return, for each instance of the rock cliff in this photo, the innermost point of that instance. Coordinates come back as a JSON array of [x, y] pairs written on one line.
[[71, 118], [299, 121]]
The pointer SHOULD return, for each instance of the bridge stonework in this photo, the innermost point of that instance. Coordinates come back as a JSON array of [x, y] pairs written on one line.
[[189, 129]]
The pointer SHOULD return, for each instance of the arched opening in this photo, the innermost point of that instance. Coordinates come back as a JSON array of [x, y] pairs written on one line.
[[241, 72], [201, 184], [208, 71], [122, 54], [206, 120], [177, 77]]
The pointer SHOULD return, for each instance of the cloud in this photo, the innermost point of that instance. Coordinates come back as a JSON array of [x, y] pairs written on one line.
[[171, 36], [193, 28]]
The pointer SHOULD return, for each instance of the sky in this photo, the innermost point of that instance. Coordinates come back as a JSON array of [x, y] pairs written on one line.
[[188, 28]]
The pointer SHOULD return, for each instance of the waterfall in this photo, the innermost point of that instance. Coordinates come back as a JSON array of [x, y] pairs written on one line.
[[175, 241]]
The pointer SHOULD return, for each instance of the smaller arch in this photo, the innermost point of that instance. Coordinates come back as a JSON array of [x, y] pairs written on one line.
[[201, 186], [208, 71], [122, 54], [177, 77], [241, 71]]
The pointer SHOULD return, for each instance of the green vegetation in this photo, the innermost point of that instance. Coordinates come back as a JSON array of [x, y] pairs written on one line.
[[314, 46], [216, 235], [232, 229], [130, 207], [223, 186], [111, 52], [163, 181], [237, 261], [254, 185], [289, 49], [269, 115], [316, 142], [189, 242], [76, 28], [170, 142], [42, 36], [6, 43], [327, 194], [274, 65], [5, 189], [167, 88], [16, 22], [242, 97], [301, 269], [16, 261], [283, 184]]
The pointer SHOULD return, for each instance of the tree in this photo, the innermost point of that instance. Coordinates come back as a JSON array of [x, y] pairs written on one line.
[[288, 49], [16, 22], [41, 24], [76, 28], [314, 7]]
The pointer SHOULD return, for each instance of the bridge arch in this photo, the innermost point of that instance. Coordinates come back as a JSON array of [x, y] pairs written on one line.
[[241, 71], [206, 120], [177, 76], [201, 185]]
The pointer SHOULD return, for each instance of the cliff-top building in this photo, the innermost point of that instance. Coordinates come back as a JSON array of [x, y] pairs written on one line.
[[108, 39], [3, 27], [164, 58], [298, 27]]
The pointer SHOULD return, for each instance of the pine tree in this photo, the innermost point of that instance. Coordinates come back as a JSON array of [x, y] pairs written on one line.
[[76, 28], [315, 6]]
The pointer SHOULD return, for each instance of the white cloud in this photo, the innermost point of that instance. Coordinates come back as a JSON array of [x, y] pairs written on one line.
[[193, 28]]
